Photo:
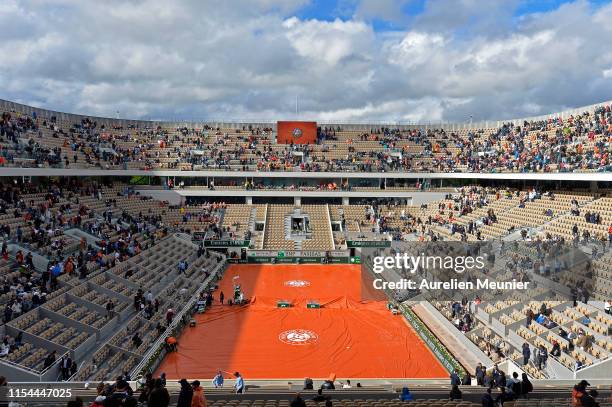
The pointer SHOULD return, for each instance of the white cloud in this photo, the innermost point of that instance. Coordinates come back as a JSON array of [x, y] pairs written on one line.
[[245, 59], [416, 48], [329, 42], [422, 110]]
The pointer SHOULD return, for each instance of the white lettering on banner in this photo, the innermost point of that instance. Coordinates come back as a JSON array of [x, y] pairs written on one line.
[[269, 253]]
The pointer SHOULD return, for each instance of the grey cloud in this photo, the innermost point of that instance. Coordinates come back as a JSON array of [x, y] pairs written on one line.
[[249, 59]]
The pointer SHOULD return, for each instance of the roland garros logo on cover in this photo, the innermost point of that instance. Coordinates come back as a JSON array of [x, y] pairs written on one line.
[[297, 283], [298, 337]]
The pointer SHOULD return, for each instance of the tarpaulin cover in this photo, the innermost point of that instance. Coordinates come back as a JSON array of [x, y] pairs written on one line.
[[353, 334]]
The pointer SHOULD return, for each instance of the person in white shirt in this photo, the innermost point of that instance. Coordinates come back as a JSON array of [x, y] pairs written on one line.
[[347, 385], [239, 385], [16, 308], [4, 348]]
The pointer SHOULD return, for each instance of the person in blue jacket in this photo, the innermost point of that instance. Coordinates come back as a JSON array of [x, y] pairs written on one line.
[[406, 395]]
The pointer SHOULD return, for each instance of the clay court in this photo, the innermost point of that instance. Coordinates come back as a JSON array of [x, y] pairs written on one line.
[[353, 335]]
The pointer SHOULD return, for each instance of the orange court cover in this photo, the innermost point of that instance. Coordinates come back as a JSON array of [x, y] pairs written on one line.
[[353, 334], [296, 132]]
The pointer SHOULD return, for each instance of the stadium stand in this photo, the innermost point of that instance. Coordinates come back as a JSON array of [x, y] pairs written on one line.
[[577, 143]]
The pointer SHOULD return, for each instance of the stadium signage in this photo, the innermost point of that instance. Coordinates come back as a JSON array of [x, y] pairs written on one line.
[[301, 254], [297, 260], [227, 243], [368, 243], [285, 253], [237, 261], [295, 257], [296, 132], [439, 350]]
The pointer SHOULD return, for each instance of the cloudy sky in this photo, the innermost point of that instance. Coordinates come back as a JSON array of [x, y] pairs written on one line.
[[392, 60]]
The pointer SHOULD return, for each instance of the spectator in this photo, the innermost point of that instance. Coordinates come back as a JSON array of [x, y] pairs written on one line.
[[136, 341], [502, 397], [65, 364], [579, 395], [50, 359], [480, 372], [159, 396], [146, 384], [487, 399], [319, 397], [406, 394], [98, 402], [185, 394], [500, 379], [591, 398], [218, 380], [488, 380], [542, 357], [514, 385], [121, 395], [454, 379], [526, 386], [455, 393], [199, 399], [298, 401], [526, 353], [77, 402], [239, 385]]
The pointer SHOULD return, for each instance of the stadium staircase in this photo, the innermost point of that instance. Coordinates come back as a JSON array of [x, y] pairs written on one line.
[[252, 218], [329, 228], [221, 216], [77, 234], [287, 227], [40, 262]]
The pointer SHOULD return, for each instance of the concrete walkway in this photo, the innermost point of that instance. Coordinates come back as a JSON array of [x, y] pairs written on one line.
[[450, 339]]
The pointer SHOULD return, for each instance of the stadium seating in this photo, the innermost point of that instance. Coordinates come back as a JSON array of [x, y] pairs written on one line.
[[275, 228], [74, 310], [575, 144]]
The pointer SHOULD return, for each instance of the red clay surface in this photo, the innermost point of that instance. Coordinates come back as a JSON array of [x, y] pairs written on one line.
[[353, 335]]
